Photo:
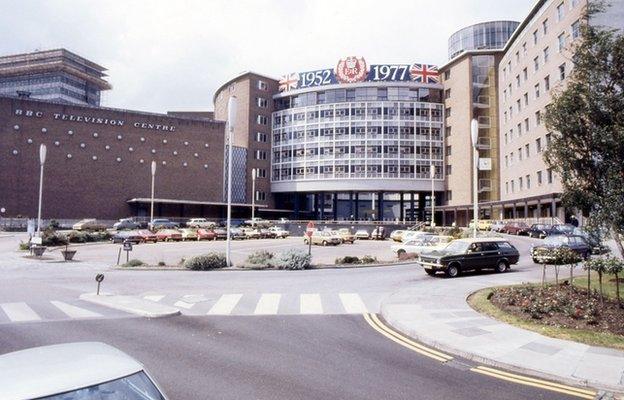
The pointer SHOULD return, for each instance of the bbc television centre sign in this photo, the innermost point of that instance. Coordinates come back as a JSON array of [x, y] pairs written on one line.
[[91, 119]]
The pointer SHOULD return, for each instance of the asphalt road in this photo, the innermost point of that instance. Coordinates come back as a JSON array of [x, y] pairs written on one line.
[[294, 357]]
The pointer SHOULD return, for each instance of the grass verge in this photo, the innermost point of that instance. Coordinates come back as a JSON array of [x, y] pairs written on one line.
[[480, 302], [608, 284]]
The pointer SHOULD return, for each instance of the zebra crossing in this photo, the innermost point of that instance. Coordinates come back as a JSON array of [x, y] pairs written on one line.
[[271, 303], [52, 310]]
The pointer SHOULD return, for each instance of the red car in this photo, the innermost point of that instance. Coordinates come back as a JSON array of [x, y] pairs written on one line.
[[147, 236], [516, 228], [206, 234], [168, 235]]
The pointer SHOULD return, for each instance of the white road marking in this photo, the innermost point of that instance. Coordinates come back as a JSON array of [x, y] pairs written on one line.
[[268, 304], [154, 297], [19, 312], [183, 304], [352, 303], [310, 304], [225, 304], [73, 311]]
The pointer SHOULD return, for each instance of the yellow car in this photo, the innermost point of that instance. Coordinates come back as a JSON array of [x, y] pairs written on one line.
[[484, 224], [189, 234], [346, 235], [397, 235]]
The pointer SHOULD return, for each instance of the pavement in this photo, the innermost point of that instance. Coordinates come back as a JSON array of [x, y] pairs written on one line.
[[438, 315]]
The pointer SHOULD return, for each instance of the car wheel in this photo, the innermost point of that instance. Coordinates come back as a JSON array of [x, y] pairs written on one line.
[[430, 272], [324, 243], [501, 266], [452, 270], [400, 253]]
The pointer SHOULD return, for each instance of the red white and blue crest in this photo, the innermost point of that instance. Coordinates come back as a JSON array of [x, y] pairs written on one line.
[[351, 69], [289, 82], [424, 73]]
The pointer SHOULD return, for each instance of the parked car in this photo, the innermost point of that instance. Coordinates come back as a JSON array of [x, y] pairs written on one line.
[[147, 236], [595, 243], [346, 235], [484, 224], [84, 370], [168, 235], [279, 232], [470, 254], [539, 230], [323, 238], [220, 232], [189, 233], [335, 234], [266, 233], [237, 234], [379, 233], [130, 236], [206, 234], [497, 226], [409, 235], [397, 235], [544, 252], [362, 234], [515, 228], [125, 223], [562, 229], [88, 224], [421, 244], [256, 221], [161, 223], [200, 223], [251, 233]]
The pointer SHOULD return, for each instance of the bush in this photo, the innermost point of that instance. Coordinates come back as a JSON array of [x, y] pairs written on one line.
[[369, 260], [161, 263], [261, 257], [24, 246], [293, 260], [205, 262], [54, 224], [133, 263], [85, 237], [52, 238], [347, 260]]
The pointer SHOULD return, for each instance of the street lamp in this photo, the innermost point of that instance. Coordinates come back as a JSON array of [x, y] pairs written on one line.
[[42, 158], [152, 199], [253, 195], [432, 174], [230, 132], [474, 135]]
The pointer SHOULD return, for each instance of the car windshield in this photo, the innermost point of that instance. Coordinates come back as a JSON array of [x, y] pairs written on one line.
[[457, 247], [134, 387]]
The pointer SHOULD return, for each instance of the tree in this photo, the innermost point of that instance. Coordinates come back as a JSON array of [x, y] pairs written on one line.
[[615, 266], [586, 118]]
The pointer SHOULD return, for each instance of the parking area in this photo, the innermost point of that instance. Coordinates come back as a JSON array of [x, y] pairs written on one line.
[[172, 252]]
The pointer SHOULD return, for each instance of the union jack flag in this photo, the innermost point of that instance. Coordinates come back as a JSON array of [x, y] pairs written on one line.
[[289, 82], [424, 73]]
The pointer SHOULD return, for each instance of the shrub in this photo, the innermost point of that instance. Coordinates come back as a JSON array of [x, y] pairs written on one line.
[[54, 224], [369, 260], [293, 260], [408, 256], [85, 237], [205, 262], [347, 260], [133, 263], [161, 263], [260, 257], [24, 246], [52, 238]]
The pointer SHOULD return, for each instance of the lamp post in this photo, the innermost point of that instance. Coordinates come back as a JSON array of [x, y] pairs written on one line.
[[230, 132], [152, 198], [253, 195], [42, 158], [474, 136], [432, 174]]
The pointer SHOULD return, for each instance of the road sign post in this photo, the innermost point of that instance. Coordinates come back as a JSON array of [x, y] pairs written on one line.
[[127, 246], [99, 278], [309, 230]]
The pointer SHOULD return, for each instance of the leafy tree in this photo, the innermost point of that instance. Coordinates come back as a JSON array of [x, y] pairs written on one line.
[[586, 118], [615, 266]]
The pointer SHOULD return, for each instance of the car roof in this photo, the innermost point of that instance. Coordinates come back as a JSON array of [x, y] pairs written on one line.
[[480, 240], [48, 370]]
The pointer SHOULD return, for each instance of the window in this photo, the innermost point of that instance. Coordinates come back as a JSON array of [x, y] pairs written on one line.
[[546, 53], [539, 178], [511, 158], [561, 42], [537, 91], [524, 49], [576, 29], [260, 173], [449, 195], [520, 183], [562, 72], [506, 187], [519, 130], [447, 131], [550, 175], [547, 83], [506, 161], [536, 63], [262, 102], [262, 120], [538, 118], [447, 74], [526, 124], [262, 85], [528, 181], [513, 186], [519, 153], [448, 169], [517, 80], [548, 139], [560, 12], [447, 112], [535, 37], [260, 196], [447, 94], [517, 57], [261, 137], [525, 74], [448, 150], [526, 99], [260, 155], [545, 26], [538, 145], [527, 150]]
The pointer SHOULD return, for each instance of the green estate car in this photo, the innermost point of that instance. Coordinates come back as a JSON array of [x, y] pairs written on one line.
[[470, 254]]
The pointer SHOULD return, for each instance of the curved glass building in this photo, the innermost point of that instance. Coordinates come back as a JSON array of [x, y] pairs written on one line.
[[359, 150], [483, 36]]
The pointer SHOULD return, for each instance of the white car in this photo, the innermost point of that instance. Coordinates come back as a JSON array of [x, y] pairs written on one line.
[[421, 244], [410, 235], [279, 232], [200, 223], [362, 234], [84, 370], [258, 222]]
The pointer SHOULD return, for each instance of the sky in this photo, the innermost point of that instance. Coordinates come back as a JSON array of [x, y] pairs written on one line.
[[173, 55]]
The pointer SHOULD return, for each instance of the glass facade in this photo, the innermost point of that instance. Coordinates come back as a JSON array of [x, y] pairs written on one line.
[[51, 86], [483, 36]]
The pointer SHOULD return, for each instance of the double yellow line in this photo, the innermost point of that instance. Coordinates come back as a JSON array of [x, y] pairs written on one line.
[[538, 383], [404, 341]]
